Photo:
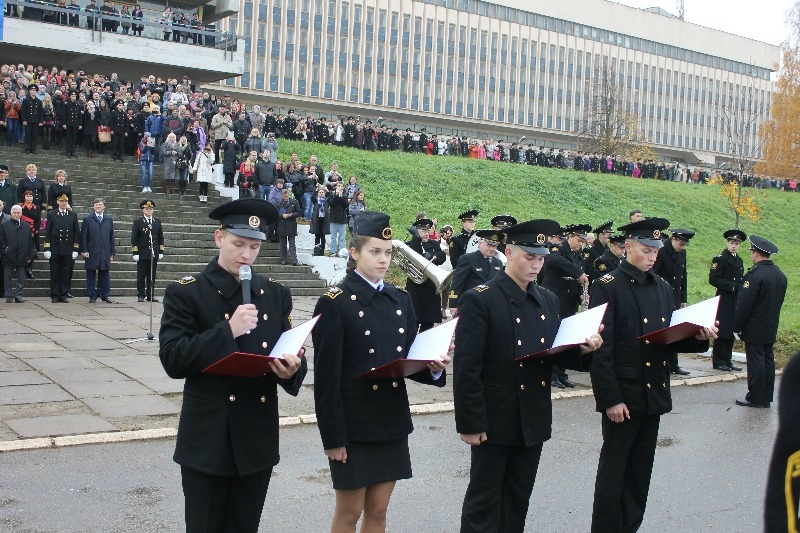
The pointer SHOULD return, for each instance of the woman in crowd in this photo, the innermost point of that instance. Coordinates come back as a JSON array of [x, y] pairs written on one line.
[[169, 151], [12, 107], [320, 221], [183, 163], [204, 169], [137, 14], [288, 212], [364, 423], [357, 206], [146, 158], [229, 151], [90, 123], [57, 188], [32, 215], [310, 184], [48, 121], [352, 188], [103, 121], [248, 186]]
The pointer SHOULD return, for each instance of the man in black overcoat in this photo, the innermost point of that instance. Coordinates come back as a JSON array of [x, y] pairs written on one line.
[[146, 258], [458, 244], [97, 246], [119, 130], [61, 244], [671, 265], [476, 267], [631, 378], [31, 118], [227, 440], [590, 254], [502, 406], [755, 320], [16, 251], [424, 296], [726, 275]]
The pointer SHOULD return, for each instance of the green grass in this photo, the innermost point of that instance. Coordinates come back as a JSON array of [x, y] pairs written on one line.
[[402, 184]]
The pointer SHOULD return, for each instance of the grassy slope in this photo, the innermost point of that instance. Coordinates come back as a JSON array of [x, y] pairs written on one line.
[[402, 184]]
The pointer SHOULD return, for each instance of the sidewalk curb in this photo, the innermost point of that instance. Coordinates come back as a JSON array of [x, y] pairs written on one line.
[[291, 421]]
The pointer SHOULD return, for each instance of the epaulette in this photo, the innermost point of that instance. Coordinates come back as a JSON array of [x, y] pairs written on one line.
[[272, 280], [481, 288], [607, 278], [399, 288], [333, 292], [601, 266], [185, 280], [714, 265]]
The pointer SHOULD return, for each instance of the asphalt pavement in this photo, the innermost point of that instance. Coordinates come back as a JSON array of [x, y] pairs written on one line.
[[709, 476]]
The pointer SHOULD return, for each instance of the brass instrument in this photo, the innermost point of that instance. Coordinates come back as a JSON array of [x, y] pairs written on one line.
[[417, 268], [585, 297]]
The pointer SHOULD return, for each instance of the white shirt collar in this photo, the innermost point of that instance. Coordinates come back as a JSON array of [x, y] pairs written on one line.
[[377, 286]]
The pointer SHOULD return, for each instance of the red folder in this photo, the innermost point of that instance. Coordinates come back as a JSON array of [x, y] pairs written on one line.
[[398, 369], [675, 333], [243, 365], [549, 352]]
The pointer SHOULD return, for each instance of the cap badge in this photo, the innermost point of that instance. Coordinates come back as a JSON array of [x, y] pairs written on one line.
[[254, 221], [387, 233], [656, 234], [540, 239]]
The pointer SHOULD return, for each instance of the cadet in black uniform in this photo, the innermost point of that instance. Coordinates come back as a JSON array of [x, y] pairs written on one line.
[[630, 377], [671, 265], [61, 241], [600, 245], [228, 432], [72, 122], [783, 483], [500, 223], [458, 244], [364, 423], [146, 260], [726, 274], [424, 296], [476, 268], [755, 320], [31, 118], [611, 257], [502, 407]]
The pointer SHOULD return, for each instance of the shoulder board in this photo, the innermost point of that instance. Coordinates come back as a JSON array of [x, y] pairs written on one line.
[[451, 243], [607, 278], [333, 292], [714, 265], [481, 288], [399, 288], [586, 254], [185, 280], [601, 266], [554, 248], [272, 280]]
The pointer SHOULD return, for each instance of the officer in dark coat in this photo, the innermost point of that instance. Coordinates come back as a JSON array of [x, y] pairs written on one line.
[[424, 296], [98, 246], [671, 265], [72, 122], [227, 438], [590, 254], [146, 258], [31, 117], [755, 320], [119, 130], [502, 406], [630, 377], [61, 243], [783, 483], [476, 268], [458, 243], [726, 274], [611, 257]]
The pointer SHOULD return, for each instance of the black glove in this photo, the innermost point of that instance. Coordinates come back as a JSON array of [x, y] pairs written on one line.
[[428, 256]]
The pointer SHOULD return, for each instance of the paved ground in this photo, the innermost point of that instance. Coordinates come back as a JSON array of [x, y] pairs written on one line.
[[67, 370]]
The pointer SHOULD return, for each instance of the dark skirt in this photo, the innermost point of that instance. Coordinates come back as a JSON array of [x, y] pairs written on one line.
[[369, 463]]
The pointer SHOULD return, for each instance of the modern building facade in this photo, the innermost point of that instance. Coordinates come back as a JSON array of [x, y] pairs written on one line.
[[497, 69]]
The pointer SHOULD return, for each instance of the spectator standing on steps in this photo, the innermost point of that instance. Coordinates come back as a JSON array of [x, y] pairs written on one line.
[[146, 158], [204, 170], [288, 212]]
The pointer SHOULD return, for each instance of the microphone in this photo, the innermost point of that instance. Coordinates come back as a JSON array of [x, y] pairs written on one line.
[[245, 275]]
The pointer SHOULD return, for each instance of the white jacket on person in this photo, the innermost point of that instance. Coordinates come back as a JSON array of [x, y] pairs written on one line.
[[204, 166]]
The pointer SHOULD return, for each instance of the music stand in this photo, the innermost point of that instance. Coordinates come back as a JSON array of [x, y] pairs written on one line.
[[149, 336]]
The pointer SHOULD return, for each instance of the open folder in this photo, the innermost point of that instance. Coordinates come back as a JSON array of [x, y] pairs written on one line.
[[573, 332], [686, 322], [435, 341], [251, 365]]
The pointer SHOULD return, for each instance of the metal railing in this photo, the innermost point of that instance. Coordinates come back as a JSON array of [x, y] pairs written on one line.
[[99, 23]]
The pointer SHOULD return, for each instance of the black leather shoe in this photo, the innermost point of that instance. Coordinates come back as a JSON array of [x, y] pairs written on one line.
[[722, 367], [154, 300], [108, 300], [54, 300], [681, 372], [566, 382], [9, 300], [63, 300], [69, 295], [92, 300], [18, 300], [557, 384], [140, 299], [735, 368], [746, 403]]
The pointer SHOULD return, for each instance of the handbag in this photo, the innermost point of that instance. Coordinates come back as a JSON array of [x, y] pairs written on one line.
[[104, 134], [182, 163]]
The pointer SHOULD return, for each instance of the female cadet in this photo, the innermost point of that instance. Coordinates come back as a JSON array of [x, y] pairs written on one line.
[[364, 423]]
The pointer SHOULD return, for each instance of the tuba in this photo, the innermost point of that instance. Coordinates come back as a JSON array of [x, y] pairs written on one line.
[[417, 268]]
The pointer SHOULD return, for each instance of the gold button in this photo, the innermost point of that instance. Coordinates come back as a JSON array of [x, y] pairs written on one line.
[[632, 280], [663, 319], [664, 385], [521, 365], [519, 343], [352, 296], [371, 350], [544, 383], [401, 330], [361, 313], [366, 332], [647, 342], [645, 321], [543, 317], [264, 344], [374, 387], [664, 363], [232, 398], [518, 320], [647, 363], [263, 399], [399, 348], [394, 384], [648, 385], [265, 316], [522, 387], [541, 340], [227, 316], [399, 312]]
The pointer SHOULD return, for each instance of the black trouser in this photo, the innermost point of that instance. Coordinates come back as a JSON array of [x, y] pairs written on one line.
[[722, 352], [60, 275], [623, 473], [118, 145], [217, 145], [72, 137], [203, 188], [217, 504], [31, 134], [145, 277], [760, 372], [501, 480]]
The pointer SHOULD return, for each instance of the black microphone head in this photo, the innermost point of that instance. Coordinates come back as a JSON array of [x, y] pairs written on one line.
[[245, 273]]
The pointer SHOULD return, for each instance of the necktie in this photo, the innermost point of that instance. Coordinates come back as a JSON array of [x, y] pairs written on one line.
[[62, 213], [99, 218]]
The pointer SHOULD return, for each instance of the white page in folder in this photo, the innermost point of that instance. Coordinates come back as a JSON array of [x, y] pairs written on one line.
[[703, 314], [575, 329], [433, 343], [292, 340]]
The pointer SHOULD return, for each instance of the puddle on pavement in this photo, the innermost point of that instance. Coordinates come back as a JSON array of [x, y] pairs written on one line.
[[665, 442], [323, 475]]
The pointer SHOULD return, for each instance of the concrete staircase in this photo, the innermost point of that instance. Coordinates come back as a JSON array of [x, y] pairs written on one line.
[[188, 232]]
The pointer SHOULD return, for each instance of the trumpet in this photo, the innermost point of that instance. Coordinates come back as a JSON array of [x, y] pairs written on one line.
[[417, 268]]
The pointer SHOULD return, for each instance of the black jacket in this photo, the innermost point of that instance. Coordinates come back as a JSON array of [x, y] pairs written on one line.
[[671, 265], [31, 110], [726, 275], [337, 208], [473, 269], [604, 264], [228, 425], [265, 173], [287, 227], [140, 238], [458, 246], [16, 243], [758, 306], [62, 235], [560, 274], [426, 301]]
